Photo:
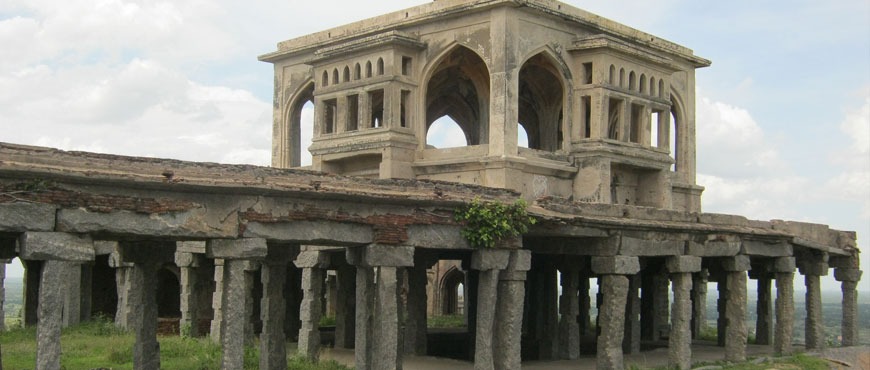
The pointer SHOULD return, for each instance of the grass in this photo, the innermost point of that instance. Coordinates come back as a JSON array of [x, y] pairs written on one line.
[[99, 344], [797, 362], [446, 321]]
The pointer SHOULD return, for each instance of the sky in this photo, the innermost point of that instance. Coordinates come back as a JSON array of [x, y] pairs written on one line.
[[783, 114]]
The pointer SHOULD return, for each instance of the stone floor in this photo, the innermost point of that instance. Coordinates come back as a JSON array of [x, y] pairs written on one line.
[[703, 352]]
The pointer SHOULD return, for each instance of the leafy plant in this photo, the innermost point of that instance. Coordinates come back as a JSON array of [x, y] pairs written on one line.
[[487, 223]]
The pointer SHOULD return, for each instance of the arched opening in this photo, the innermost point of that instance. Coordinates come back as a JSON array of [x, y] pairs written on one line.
[[168, 294], [652, 86], [445, 133], [622, 77], [661, 88], [325, 81], [540, 103], [522, 136], [346, 74], [300, 128], [459, 89], [632, 81], [356, 71], [642, 87], [380, 66], [368, 69], [612, 76], [676, 123], [335, 76], [452, 294]]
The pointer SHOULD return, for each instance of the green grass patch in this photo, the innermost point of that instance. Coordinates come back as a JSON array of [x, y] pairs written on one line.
[[100, 344], [799, 361], [446, 321]]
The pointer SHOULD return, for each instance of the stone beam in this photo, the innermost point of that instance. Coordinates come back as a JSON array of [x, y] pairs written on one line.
[[378, 255], [188, 224], [643, 247], [616, 265], [312, 232], [56, 246], [246, 248], [714, 249], [20, 217], [759, 248], [436, 236]]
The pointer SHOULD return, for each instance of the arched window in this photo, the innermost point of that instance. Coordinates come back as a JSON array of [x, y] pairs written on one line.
[[612, 77], [300, 129], [346, 74], [459, 88], [661, 88], [622, 77], [642, 88], [325, 81], [356, 72], [335, 76], [632, 81], [369, 69], [540, 103], [652, 86], [380, 66]]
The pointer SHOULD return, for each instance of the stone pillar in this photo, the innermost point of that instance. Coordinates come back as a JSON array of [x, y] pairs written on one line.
[[313, 265], [377, 309], [735, 307], [415, 322], [58, 251], [764, 312], [543, 309], [611, 316], [345, 322], [784, 267], [509, 311], [72, 299], [680, 337], [699, 302], [217, 330], [631, 339], [569, 309], [3, 263], [124, 287], [235, 294], [273, 351], [488, 263], [721, 308], [848, 278], [188, 302], [146, 257], [815, 329]]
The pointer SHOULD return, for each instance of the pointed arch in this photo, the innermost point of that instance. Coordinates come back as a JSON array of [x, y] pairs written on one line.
[[290, 140], [612, 76], [678, 122], [652, 86], [369, 69], [356, 72], [642, 87], [325, 81], [335, 76], [457, 85], [346, 74], [449, 288], [543, 80], [622, 77], [380, 66], [632, 81]]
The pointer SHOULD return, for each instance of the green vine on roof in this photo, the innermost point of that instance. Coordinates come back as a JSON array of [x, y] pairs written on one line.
[[487, 223]]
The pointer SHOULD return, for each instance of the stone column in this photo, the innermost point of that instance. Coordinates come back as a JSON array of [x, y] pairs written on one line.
[[735, 307], [569, 309], [764, 311], [415, 322], [345, 322], [188, 302], [234, 293], [585, 304], [509, 311], [146, 257], [313, 265], [377, 309], [611, 316], [273, 351], [124, 287], [815, 329], [488, 263], [849, 277], [72, 300], [680, 338], [631, 340], [58, 251], [699, 302], [721, 308], [3, 293], [217, 331], [784, 267]]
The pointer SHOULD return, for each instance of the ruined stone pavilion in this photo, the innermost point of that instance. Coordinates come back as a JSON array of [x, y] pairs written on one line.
[[369, 235]]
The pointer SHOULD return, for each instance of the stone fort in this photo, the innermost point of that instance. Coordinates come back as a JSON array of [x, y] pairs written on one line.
[[367, 233]]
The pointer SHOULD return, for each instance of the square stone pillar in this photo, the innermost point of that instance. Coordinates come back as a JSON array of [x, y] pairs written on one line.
[[631, 339], [815, 328], [849, 278], [146, 257], [377, 344], [699, 302], [123, 286], [235, 293], [415, 321], [72, 300], [569, 310], [187, 262], [509, 311], [735, 307], [680, 337], [488, 262], [345, 318], [764, 312], [313, 265], [585, 304], [216, 332], [273, 351], [59, 251], [611, 315], [784, 268]]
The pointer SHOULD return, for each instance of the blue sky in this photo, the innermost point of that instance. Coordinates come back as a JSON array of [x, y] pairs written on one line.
[[783, 113]]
